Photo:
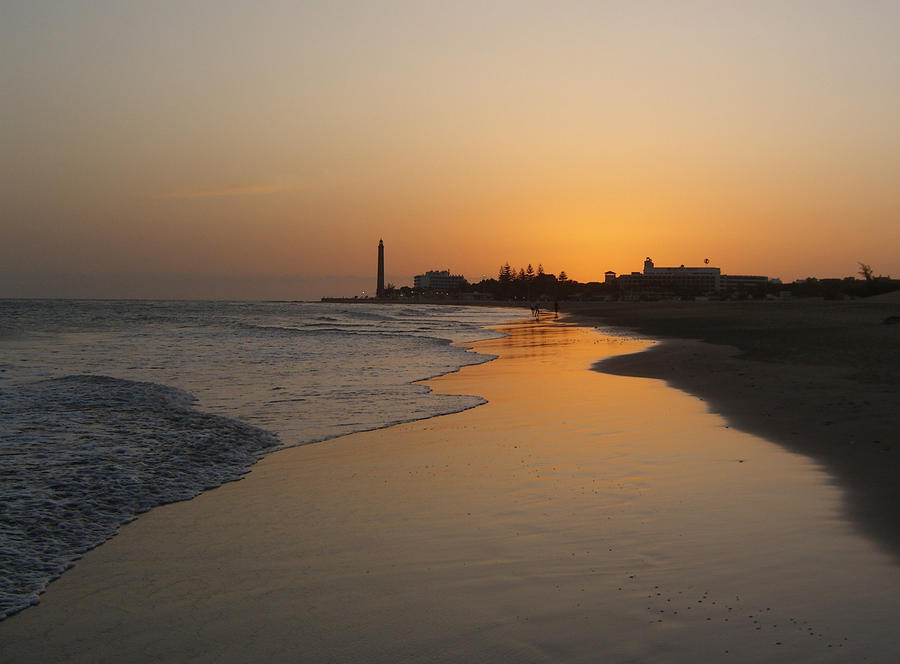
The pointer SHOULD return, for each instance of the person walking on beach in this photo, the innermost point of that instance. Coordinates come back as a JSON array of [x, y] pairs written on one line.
[[556, 308]]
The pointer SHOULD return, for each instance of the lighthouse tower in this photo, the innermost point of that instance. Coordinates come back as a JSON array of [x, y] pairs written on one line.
[[379, 291]]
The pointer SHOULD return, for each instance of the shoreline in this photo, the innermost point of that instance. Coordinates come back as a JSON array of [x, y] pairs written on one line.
[[532, 528], [818, 378], [95, 440]]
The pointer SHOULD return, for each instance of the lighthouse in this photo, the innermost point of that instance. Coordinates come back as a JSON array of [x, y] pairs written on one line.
[[379, 291]]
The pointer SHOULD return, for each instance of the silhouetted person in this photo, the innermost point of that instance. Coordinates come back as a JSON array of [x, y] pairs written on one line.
[[555, 308]]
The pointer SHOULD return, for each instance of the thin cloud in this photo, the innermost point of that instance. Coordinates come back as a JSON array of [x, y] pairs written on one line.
[[242, 190]]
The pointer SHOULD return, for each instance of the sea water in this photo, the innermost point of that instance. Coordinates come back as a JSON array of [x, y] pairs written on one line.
[[109, 408]]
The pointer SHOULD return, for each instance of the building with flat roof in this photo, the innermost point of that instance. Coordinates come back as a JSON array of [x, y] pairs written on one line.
[[439, 281], [683, 279], [694, 279], [745, 282]]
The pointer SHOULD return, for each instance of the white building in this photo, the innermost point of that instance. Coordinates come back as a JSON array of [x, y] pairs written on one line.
[[681, 278], [693, 278], [439, 281]]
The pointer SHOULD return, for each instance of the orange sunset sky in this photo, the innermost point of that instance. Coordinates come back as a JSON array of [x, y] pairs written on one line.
[[260, 150]]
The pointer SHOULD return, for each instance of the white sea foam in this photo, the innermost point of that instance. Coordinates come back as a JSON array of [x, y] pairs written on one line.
[[81, 455], [108, 409]]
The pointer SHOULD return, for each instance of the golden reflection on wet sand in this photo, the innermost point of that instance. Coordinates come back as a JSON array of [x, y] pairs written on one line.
[[575, 517]]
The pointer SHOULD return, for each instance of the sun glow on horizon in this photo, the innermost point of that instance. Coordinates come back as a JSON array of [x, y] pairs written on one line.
[[585, 137]]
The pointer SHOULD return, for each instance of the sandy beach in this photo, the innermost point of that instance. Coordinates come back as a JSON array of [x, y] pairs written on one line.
[[820, 378], [578, 516]]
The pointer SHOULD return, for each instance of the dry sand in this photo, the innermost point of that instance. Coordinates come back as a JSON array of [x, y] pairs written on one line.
[[576, 517]]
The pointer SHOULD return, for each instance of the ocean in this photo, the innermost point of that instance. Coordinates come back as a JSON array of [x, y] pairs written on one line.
[[110, 408]]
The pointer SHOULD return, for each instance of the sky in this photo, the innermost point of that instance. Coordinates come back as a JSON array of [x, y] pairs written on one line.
[[237, 150]]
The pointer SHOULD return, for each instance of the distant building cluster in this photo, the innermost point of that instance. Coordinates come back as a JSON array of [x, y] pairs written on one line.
[[688, 279], [439, 281], [651, 283], [432, 283]]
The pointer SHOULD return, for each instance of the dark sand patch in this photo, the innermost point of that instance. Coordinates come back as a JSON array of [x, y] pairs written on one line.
[[820, 378]]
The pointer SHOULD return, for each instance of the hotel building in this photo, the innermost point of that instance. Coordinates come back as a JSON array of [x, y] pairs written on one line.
[[439, 281], [688, 279]]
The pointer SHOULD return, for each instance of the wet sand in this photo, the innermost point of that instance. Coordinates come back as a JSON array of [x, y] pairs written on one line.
[[820, 378], [577, 516]]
